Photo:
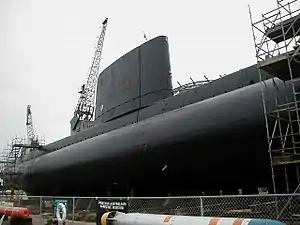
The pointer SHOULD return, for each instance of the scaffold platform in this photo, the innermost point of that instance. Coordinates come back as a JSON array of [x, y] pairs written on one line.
[[288, 26], [278, 66]]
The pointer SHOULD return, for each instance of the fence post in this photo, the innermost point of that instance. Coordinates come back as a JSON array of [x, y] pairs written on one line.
[[73, 211], [201, 206], [41, 209]]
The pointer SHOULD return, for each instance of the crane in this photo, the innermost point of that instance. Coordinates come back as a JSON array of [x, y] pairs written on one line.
[[84, 112], [29, 124], [32, 139]]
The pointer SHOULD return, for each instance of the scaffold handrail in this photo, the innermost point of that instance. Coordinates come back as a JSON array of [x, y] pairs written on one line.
[[274, 10], [277, 30]]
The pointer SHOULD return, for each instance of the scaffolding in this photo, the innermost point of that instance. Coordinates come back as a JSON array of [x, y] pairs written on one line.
[[277, 47], [9, 157], [14, 153]]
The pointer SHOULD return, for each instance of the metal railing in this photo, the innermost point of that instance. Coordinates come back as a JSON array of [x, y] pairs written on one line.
[[285, 207]]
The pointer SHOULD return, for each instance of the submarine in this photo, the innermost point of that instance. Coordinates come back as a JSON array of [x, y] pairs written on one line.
[[150, 139]]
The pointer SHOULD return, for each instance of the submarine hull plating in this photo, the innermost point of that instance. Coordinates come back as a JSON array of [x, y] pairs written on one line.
[[216, 144]]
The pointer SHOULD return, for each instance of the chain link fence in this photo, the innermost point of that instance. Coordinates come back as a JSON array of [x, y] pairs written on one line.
[[285, 208]]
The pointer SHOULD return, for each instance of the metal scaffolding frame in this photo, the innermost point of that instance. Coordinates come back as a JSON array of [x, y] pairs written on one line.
[[14, 151], [277, 48], [9, 157]]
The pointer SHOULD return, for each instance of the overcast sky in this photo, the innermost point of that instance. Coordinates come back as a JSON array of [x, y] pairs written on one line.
[[46, 48]]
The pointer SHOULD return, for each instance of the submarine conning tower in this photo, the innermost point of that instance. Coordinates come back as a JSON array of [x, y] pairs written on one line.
[[134, 81]]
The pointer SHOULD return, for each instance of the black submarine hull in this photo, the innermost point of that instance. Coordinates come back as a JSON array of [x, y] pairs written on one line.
[[216, 144], [149, 141]]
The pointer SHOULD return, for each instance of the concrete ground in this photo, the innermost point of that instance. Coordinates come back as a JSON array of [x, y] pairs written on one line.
[[39, 220]]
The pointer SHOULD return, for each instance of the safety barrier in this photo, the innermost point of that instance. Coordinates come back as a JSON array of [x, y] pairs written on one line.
[[284, 208], [14, 212], [15, 215]]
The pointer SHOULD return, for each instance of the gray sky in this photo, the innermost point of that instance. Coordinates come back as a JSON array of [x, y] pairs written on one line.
[[46, 48]]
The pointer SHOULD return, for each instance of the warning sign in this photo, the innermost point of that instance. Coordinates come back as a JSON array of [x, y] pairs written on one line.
[[120, 206]]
